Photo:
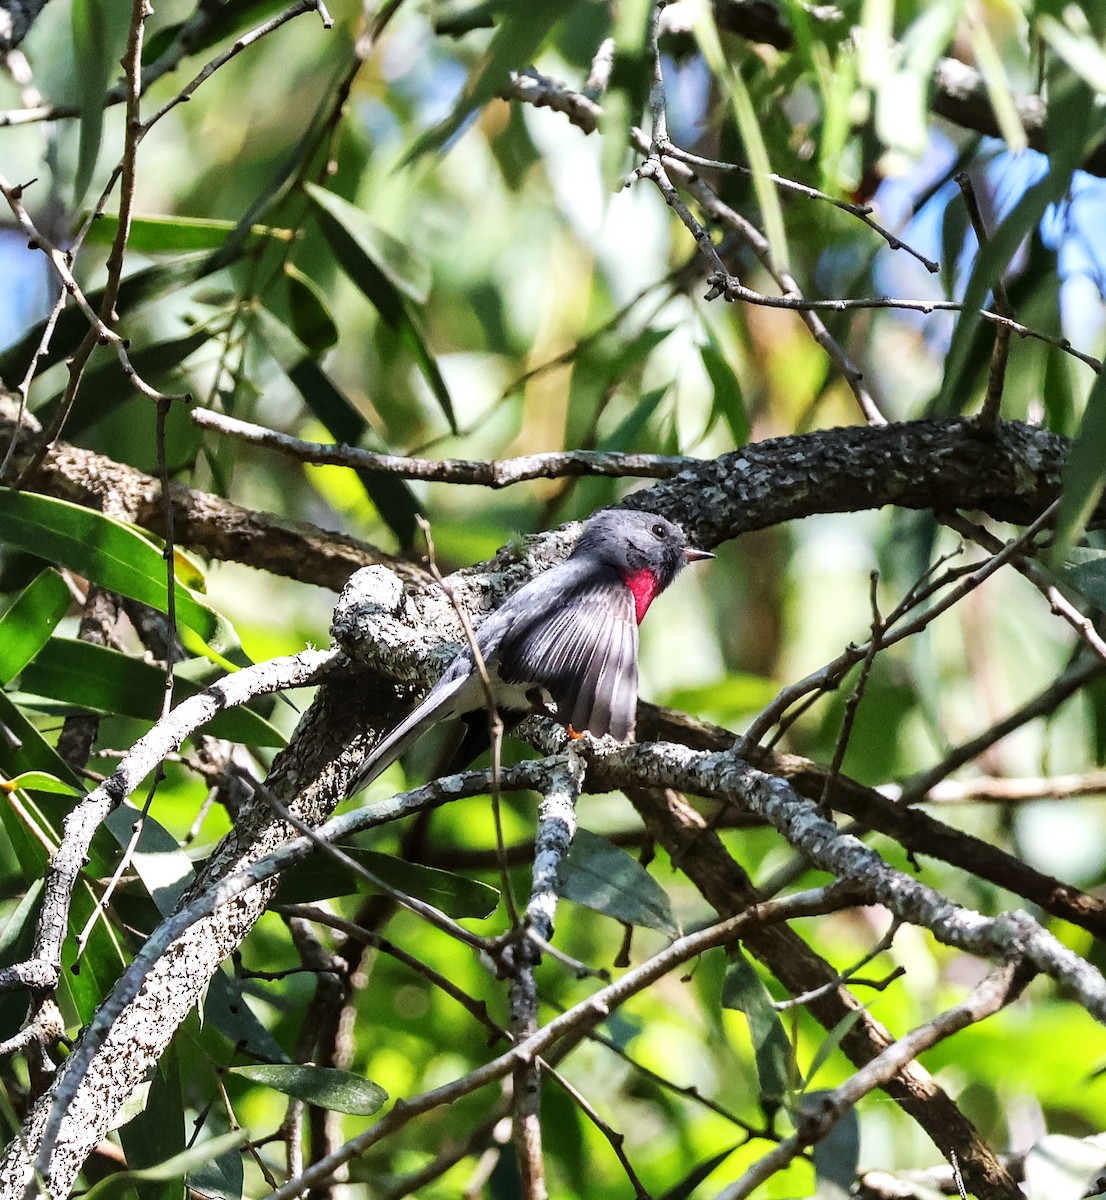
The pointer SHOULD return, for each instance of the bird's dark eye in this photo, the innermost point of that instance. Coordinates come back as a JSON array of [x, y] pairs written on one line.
[[659, 531]]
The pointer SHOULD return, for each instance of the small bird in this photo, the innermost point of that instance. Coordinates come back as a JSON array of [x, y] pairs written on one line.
[[568, 637]]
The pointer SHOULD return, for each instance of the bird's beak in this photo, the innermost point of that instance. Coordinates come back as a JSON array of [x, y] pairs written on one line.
[[693, 554]]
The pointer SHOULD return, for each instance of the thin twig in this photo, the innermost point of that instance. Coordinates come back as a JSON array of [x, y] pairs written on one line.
[[852, 705], [829, 676], [1083, 625], [862, 212]]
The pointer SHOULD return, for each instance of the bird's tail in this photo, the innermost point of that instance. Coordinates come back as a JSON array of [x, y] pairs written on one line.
[[437, 706]]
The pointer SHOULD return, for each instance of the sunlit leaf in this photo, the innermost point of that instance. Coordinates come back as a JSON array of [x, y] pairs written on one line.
[[27, 625], [325, 1087], [172, 235], [109, 552], [38, 781], [393, 497], [320, 877], [608, 879], [743, 990], [1085, 472], [177, 1167], [998, 86], [103, 680], [24, 751], [521, 29], [1073, 40], [389, 276], [752, 138]]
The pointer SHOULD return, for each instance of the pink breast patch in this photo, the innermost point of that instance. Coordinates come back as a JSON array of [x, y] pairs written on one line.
[[643, 585]]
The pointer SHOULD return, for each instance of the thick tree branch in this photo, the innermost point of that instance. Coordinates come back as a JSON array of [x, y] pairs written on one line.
[[1013, 475]]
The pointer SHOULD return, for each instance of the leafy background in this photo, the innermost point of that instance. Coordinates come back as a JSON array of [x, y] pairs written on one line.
[[354, 241]]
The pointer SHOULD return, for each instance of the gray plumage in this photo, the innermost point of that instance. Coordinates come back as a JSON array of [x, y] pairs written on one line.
[[568, 637]]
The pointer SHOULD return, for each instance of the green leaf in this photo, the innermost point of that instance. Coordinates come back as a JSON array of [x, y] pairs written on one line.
[[23, 749], [837, 1155], [159, 862], [743, 990], [1086, 572], [19, 927], [752, 138], [625, 98], [606, 878], [99, 32], [405, 270], [604, 364], [27, 625], [1084, 473], [104, 680], [156, 1135], [830, 1042], [223, 1176], [312, 321], [387, 274], [106, 387], [172, 235], [726, 698], [320, 877], [522, 28], [325, 1087], [226, 1009], [392, 497], [1062, 1168], [1073, 40], [174, 1168], [16, 945], [990, 64], [728, 398], [39, 781], [109, 552], [221, 21]]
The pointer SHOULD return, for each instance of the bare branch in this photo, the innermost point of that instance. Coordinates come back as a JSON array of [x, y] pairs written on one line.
[[493, 473]]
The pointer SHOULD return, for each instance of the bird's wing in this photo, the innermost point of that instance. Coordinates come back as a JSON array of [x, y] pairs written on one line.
[[583, 652]]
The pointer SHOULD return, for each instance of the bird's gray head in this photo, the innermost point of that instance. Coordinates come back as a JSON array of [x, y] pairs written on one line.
[[631, 542]]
